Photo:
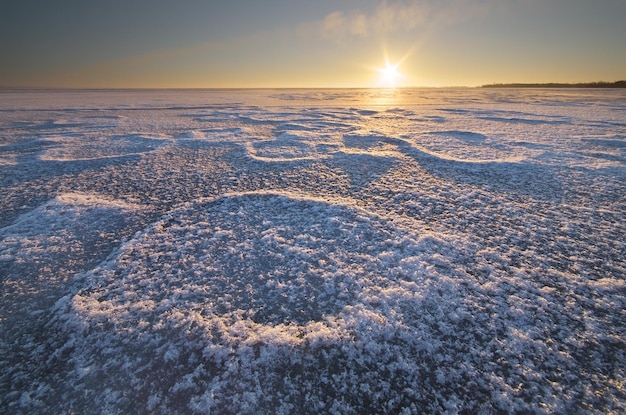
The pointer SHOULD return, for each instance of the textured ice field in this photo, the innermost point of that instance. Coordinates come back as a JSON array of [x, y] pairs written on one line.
[[313, 251]]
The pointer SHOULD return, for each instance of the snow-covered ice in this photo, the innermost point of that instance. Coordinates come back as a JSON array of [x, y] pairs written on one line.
[[313, 251]]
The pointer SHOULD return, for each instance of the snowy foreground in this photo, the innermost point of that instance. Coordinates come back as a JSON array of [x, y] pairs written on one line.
[[312, 251]]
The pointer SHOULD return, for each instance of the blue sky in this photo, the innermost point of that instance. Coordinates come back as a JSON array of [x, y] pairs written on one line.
[[323, 43]]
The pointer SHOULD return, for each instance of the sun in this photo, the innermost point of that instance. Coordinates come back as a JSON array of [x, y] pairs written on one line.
[[389, 75]]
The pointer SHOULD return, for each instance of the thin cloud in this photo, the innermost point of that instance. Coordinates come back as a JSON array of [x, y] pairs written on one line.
[[390, 17], [338, 25]]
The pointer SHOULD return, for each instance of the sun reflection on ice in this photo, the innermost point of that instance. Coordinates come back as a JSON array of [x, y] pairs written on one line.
[[384, 97]]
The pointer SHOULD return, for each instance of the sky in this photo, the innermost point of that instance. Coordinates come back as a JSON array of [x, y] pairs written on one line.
[[309, 43]]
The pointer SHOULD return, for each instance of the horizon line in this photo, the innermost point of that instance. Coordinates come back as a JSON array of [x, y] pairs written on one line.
[[592, 84], [226, 88]]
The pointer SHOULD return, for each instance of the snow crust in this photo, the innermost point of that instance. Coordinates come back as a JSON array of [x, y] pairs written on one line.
[[311, 251]]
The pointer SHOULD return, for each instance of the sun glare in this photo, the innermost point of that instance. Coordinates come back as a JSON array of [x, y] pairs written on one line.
[[389, 75]]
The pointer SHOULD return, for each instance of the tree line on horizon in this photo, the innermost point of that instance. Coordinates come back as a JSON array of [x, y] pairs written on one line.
[[601, 84]]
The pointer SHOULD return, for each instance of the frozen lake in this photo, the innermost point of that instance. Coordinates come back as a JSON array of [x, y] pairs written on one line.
[[313, 251]]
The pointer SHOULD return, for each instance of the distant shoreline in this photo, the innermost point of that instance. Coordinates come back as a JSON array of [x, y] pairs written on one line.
[[618, 84]]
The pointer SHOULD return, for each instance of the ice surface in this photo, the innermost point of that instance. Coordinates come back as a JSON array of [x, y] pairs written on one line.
[[313, 251]]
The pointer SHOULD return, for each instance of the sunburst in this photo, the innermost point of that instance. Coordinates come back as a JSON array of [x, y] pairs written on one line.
[[390, 75]]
